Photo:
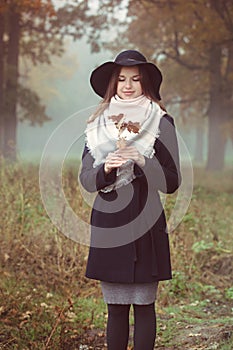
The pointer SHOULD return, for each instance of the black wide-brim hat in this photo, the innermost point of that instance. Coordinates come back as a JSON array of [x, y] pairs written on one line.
[[101, 76]]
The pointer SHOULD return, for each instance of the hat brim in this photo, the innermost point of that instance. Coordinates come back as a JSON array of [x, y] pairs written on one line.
[[101, 76]]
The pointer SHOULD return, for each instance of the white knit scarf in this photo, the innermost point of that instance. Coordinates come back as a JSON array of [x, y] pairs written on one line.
[[102, 134]]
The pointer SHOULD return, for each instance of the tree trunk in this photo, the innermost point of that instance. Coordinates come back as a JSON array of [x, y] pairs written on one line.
[[228, 92], [1, 84], [216, 115], [217, 143], [10, 100], [199, 146]]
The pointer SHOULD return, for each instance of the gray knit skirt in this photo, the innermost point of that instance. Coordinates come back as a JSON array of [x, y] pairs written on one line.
[[129, 293]]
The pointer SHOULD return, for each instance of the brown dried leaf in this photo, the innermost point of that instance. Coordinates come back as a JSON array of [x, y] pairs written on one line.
[[116, 118], [133, 127]]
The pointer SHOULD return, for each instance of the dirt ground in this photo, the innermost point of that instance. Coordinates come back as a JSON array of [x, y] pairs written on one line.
[[191, 337]]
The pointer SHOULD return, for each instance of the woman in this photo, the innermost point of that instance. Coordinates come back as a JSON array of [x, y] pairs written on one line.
[[131, 153]]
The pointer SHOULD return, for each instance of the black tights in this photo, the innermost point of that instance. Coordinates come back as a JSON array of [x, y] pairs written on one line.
[[118, 327]]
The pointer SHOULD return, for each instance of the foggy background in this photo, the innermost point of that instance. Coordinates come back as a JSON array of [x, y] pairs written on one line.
[[195, 59], [73, 93], [70, 92]]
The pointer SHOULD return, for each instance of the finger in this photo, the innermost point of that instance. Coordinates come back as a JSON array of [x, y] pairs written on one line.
[[112, 156], [115, 162], [130, 155], [128, 150]]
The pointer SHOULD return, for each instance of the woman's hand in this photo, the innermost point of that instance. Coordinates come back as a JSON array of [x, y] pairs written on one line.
[[132, 153], [113, 160]]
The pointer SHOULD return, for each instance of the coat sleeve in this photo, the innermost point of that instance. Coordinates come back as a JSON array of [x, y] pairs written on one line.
[[94, 179], [163, 170]]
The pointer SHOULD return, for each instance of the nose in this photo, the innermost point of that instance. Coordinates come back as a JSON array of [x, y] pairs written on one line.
[[128, 83]]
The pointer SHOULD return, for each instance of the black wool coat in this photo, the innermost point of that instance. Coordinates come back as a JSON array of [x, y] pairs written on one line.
[[129, 239]]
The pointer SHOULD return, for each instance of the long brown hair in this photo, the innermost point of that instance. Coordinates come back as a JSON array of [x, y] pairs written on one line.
[[147, 88]]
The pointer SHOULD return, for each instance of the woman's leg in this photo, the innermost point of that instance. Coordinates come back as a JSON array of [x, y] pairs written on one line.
[[118, 326], [144, 327]]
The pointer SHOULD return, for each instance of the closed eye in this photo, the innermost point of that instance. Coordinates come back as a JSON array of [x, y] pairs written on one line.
[[134, 78]]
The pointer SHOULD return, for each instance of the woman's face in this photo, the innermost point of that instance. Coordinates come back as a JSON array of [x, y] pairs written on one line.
[[129, 84]]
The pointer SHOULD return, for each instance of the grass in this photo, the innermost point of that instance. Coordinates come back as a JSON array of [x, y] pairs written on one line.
[[47, 303]]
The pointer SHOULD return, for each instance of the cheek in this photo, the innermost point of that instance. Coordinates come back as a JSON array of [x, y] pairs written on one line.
[[118, 89], [139, 88], [119, 85], [138, 85]]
